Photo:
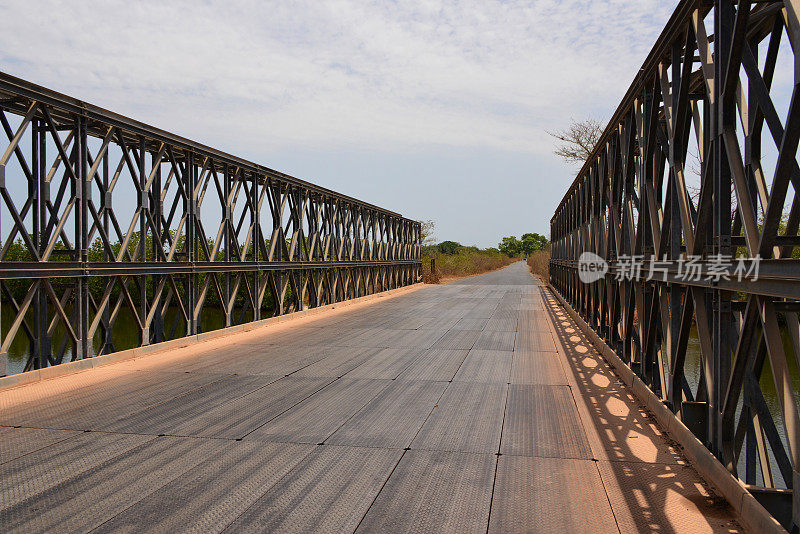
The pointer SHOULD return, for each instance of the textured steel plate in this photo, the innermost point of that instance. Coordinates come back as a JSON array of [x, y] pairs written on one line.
[[501, 324], [339, 362], [439, 323], [482, 311], [537, 368], [514, 274], [495, 340], [468, 323], [86, 499], [411, 323], [272, 360], [119, 394], [320, 415], [30, 475], [457, 339], [435, 364], [543, 421], [544, 495], [666, 498], [165, 417], [238, 417], [435, 491], [491, 366], [530, 340], [421, 339], [210, 496], [14, 400], [386, 364], [533, 320], [393, 418], [469, 417], [16, 442], [329, 491]]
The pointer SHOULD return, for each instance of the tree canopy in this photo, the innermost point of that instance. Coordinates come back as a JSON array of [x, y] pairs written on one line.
[[528, 244]]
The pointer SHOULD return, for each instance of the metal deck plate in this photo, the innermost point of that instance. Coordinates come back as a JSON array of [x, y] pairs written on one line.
[[501, 324], [419, 339], [238, 417], [537, 368], [27, 476], [329, 491], [470, 324], [469, 417], [320, 415], [210, 496], [393, 418], [386, 364], [115, 395], [544, 495], [163, 418], [85, 501], [439, 323], [16, 442], [435, 364], [338, 363], [492, 366], [533, 320], [435, 491], [495, 340], [529, 340], [543, 421], [670, 498], [273, 360], [457, 339]]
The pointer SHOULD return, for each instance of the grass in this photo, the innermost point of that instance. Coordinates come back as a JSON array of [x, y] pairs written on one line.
[[467, 261], [539, 263]]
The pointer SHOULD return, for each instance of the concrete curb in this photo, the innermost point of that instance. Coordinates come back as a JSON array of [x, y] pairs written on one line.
[[754, 516], [55, 371]]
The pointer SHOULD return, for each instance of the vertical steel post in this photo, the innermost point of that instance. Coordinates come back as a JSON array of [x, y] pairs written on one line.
[[143, 205]]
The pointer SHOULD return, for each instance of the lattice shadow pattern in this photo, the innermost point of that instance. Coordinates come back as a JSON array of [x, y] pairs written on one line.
[[708, 104]]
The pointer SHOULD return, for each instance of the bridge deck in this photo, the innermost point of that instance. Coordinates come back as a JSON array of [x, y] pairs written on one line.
[[444, 409]]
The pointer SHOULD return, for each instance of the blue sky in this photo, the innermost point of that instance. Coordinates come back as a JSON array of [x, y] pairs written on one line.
[[437, 110]]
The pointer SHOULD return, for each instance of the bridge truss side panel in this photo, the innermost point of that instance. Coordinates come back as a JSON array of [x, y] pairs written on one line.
[[703, 103], [105, 221]]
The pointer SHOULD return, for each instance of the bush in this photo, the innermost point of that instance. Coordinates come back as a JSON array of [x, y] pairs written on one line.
[[448, 247], [539, 263], [464, 261]]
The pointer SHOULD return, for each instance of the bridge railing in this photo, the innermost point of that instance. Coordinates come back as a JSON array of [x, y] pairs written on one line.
[[690, 201], [115, 234]]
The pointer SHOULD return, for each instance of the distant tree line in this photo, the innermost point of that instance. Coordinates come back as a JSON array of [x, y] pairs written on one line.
[[528, 244]]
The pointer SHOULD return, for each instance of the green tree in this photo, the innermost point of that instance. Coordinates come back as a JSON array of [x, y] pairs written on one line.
[[448, 247], [530, 243], [510, 246]]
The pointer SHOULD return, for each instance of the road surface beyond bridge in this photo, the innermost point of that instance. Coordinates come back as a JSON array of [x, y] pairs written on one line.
[[453, 408]]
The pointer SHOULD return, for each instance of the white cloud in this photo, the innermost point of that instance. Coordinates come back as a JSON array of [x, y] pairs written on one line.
[[248, 76], [438, 110]]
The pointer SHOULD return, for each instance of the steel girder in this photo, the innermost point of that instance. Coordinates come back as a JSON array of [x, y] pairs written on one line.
[[706, 86], [100, 213]]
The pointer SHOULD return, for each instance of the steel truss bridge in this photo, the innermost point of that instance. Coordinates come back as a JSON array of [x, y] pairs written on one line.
[[494, 404], [707, 101], [103, 214]]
